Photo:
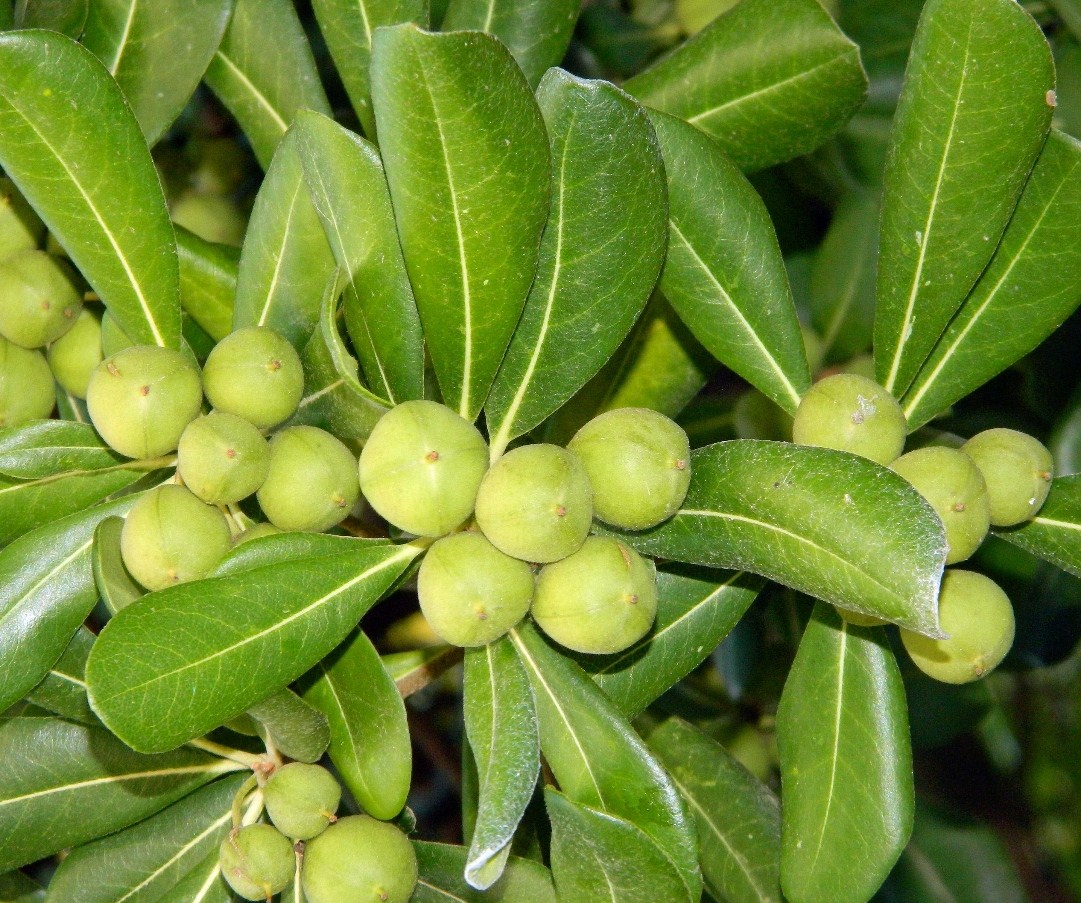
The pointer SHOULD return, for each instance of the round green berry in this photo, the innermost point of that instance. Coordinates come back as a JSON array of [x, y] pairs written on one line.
[[470, 592], [954, 487], [535, 503], [312, 481], [256, 531], [851, 413], [857, 619], [20, 227], [76, 354], [302, 799], [258, 861], [222, 458], [38, 298], [421, 467], [142, 398], [1017, 469], [359, 860], [977, 617], [600, 600], [639, 464], [27, 391], [256, 374], [212, 218]]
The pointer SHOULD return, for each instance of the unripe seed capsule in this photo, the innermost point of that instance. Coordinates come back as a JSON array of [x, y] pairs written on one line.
[[256, 374], [1017, 469], [359, 859], [302, 799], [257, 861], [76, 354], [853, 414], [38, 298], [27, 391], [20, 227], [222, 458]]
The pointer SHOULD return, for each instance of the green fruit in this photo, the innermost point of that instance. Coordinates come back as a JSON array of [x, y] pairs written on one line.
[[38, 298], [535, 503], [639, 464], [76, 354], [954, 487], [470, 592], [756, 416], [600, 600], [142, 398], [27, 391], [211, 217], [1017, 469], [852, 414], [312, 481], [171, 537], [222, 458], [421, 467], [257, 861], [861, 620], [977, 617], [359, 860], [113, 338], [20, 227], [302, 799], [257, 531], [255, 374]]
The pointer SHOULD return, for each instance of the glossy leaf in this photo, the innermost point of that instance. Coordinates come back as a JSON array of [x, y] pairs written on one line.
[[208, 275], [187, 659], [262, 89], [66, 16], [45, 448], [466, 156], [63, 689], [441, 866], [15, 887], [203, 884], [537, 32], [724, 273], [369, 735], [600, 762], [64, 784], [1027, 291], [1054, 534], [292, 726], [140, 863], [768, 81], [739, 817], [138, 43], [348, 187], [71, 144], [116, 587], [972, 117], [846, 763], [818, 520], [600, 255], [696, 608], [286, 261], [501, 723], [413, 670]]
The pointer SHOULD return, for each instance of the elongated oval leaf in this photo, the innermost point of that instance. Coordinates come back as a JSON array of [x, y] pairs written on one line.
[[441, 866], [62, 784], [724, 273], [1030, 287], [369, 735], [186, 659], [769, 80], [138, 43], [203, 884], [43, 448], [63, 690], [71, 144], [208, 274], [600, 256], [16, 887], [466, 157], [115, 585], [972, 117], [292, 726], [846, 763], [66, 16], [1054, 534]]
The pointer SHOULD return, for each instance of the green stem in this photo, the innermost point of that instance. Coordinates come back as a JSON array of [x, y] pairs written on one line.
[[247, 759]]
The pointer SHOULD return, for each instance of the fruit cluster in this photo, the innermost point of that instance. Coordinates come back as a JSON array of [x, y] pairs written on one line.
[[352, 858], [999, 477], [426, 470]]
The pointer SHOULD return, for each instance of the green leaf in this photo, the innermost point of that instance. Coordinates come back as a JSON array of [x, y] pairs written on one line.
[[189, 658], [724, 273], [63, 690], [62, 784], [208, 274], [466, 156], [15, 887], [415, 669], [369, 735], [501, 723], [696, 608], [537, 32], [141, 863], [1025, 294], [1054, 534], [347, 26], [600, 255], [846, 763], [44, 448], [116, 587], [441, 866], [66, 16], [348, 187], [739, 817], [139, 44], [600, 762], [768, 81], [71, 144], [264, 72], [295, 728], [286, 261], [821, 521], [972, 117]]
